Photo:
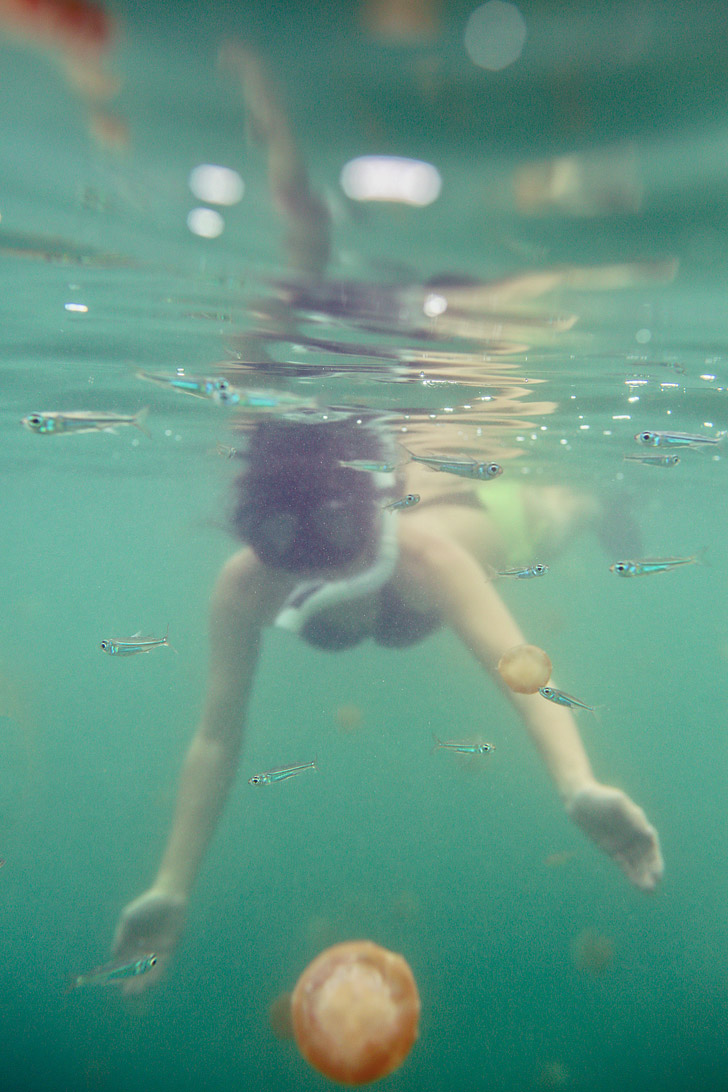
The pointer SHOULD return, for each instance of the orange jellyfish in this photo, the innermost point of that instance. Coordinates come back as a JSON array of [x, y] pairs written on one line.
[[349, 718], [554, 1075], [592, 952], [355, 1012], [401, 20], [525, 668]]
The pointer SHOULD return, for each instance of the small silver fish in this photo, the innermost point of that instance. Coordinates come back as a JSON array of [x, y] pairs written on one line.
[[463, 748], [369, 467], [463, 468], [526, 572], [405, 502], [559, 697], [655, 438], [227, 452], [264, 401], [50, 423], [281, 773], [135, 644], [653, 460], [115, 972], [198, 386], [652, 565], [220, 390]]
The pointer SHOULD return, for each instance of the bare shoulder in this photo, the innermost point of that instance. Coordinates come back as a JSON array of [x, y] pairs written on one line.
[[245, 587], [427, 548], [239, 572]]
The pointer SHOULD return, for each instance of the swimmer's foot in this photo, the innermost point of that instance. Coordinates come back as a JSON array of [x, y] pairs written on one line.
[[621, 829]]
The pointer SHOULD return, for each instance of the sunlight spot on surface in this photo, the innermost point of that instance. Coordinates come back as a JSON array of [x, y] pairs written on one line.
[[434, 305], [216, 185], [205, 222], [391, 178]]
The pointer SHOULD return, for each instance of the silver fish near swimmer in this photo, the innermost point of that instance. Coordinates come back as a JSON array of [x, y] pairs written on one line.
[[524, 572], [115, 972], [462, 748], [217, 387], [560, 697], [281, 773], [135, 644], [226, 451], [652, 565], [264, 401], [51, 423], [368, 467], [653, 460], [656, 438], [463, 468], [406, 502], [220, 390]]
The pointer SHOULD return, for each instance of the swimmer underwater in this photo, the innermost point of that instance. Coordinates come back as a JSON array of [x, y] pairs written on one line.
[[323, 558]]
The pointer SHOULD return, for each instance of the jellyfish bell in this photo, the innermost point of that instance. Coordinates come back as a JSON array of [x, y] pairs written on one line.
[[525, 668], [592, 952], [349, 718], [355, 1011]]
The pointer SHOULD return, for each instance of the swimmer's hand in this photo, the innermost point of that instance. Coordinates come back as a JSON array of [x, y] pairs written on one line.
[[154, 922], [621, 829]]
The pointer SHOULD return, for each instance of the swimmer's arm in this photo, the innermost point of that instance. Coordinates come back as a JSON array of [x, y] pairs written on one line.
[[236, 621], [476, 613]]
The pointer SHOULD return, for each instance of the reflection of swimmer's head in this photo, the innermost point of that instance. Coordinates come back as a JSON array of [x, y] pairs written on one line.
[[297, 506]]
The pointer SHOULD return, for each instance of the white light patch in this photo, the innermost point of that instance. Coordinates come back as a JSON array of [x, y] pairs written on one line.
[[80, 308], [434, 305], [216, 185], [643, 336], [205, 222], [495, 35], [391, 178]]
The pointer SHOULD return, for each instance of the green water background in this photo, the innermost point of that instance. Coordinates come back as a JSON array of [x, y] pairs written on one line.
[[106, 535]]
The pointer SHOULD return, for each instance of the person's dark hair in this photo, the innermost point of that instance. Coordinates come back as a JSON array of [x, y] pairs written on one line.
[[296, 505]]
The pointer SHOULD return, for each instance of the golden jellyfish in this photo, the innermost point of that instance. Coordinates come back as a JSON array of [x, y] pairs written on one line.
[[349, 718], [355, 1012], [592, 952], [525, 668], [554, 1075], [401, 21], [279, 1016]]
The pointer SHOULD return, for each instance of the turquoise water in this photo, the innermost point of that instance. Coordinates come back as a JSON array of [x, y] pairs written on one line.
[[104, 535]]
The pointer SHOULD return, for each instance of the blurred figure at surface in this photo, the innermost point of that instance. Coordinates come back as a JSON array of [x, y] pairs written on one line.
[[596, 183], [323, 558], [80, 36], [401, 21]]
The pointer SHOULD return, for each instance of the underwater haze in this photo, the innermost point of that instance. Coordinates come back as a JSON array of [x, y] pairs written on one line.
[[500, 231]]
